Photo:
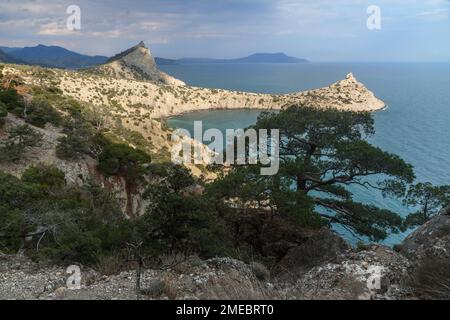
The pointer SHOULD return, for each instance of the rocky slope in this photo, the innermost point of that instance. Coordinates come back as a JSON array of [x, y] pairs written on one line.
[[372, 272]]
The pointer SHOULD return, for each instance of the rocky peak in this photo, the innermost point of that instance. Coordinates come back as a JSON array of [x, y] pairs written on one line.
[[350, 76], [137, 63], [350, 80], [139, 49]]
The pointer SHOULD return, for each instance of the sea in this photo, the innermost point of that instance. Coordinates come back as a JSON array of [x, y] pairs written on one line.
[[415, 124]]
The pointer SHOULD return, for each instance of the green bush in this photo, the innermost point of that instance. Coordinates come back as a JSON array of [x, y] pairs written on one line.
[[12, 100], [77, 224], [40, 112], [78, 139], [14, 198], [44, 176], [19, 138], [180, 222], [3, 113], [124, 161]]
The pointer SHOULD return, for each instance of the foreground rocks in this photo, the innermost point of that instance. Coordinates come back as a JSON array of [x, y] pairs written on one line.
[[376, 272], [322, 247], [323, 267], [219, 278], [430, 241], [428, 249]]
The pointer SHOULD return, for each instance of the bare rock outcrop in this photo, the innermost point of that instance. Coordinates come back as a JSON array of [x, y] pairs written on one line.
[[374, 273], [137, 63], [322, 247], [429, 241], [428, 250]]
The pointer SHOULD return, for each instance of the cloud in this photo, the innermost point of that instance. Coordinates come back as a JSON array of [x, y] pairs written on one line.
[[433, 15], [28, 7], [107, 34], [55, 29], [320, 29]]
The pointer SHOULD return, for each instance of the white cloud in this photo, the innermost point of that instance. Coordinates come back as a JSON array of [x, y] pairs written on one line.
[[55, 29], [105, 34]]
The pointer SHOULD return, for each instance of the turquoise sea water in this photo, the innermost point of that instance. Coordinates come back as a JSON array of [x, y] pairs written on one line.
[[416, 124]]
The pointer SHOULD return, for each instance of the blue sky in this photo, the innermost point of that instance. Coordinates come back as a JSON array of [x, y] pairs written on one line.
[[319, 30]]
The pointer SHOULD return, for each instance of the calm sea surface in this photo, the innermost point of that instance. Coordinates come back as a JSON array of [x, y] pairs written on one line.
[[416, 125]]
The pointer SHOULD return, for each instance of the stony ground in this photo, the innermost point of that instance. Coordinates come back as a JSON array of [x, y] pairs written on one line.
[[369, 272], [219, 278]]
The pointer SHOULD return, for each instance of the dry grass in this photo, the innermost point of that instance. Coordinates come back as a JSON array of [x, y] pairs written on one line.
[[229, 288], [171, 289], [111, 264], [432, 280]]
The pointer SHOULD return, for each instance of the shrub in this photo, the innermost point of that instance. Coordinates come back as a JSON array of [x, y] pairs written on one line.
[[14, 198], [40, 112], [78, 140], [19, 138], [82, 224], [3, 113], [110, 264], [181, 222], [122, 160], [432, 279], [44, 176], [70, 224], [12, 100], [260, 271], [155, 288]]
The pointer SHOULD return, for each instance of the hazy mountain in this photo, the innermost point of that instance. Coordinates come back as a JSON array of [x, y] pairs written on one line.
[[165, 62], [254, 58], [58, 57], [8, 49], [53, 56], [5, 57]]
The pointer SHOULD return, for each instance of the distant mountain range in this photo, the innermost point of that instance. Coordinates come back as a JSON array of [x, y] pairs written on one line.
[[52, 56], [58, 57], [165, 62], [254, 58], [5, 57]]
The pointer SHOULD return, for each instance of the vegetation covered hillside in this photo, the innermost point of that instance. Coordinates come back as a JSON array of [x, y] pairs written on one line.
[[90, 181]]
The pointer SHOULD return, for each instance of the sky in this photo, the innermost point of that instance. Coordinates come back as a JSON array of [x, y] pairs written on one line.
[[319, 30]]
